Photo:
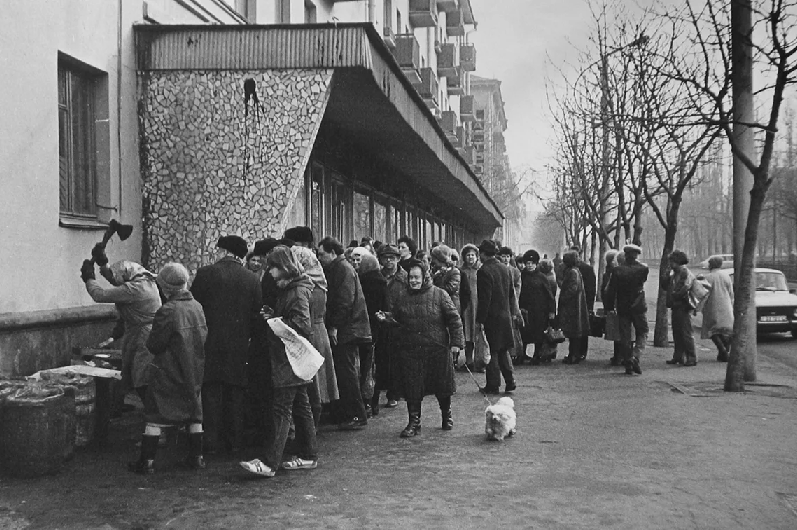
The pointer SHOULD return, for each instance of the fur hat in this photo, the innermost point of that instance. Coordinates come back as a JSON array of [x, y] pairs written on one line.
[[489, 247], [300, 234], [442, 253], [173, 276], [264, 246], [467, 248], [505, 251], [388, 250], [532, 256], [234, 244]]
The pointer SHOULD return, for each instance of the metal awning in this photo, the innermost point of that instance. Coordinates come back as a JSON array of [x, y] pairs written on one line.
[[371, 99]]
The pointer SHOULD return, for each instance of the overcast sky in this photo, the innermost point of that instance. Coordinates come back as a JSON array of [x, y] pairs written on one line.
[[514, 41]]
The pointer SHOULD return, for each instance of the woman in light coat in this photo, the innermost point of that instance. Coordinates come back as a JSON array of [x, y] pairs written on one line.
[[469, 299], [136, 296], [718, 309]]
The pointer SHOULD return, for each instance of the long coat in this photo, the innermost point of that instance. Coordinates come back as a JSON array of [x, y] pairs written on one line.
[[429, 326], [469, 299], [539, 302], [718, 309], [625, 284], [231, 297], [496, 299], [573, 309], [325, 380], [590, 282], [346, 308], [386, 358], [293, 305], [449, 280], [374, 288], [177, 342], [137, 301]]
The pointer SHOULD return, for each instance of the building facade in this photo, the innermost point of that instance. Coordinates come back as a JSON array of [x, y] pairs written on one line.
[[189, 119]]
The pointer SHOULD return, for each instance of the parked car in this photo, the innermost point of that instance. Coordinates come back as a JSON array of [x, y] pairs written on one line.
[[776, 306], [727, 261]]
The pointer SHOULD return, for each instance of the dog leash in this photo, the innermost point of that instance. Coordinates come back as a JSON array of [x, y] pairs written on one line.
[[481, 390]]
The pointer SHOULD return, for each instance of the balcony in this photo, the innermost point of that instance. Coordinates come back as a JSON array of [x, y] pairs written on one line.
[[477, 138], [466, 108], [447, 5], [478, 169], [447, 63], [467, 57], [456, 84], [423, 13], [467, 153], [458, 139], [408, 56], [389, 37], [455, 24], [478, 158], [449, 123], [429, 89]]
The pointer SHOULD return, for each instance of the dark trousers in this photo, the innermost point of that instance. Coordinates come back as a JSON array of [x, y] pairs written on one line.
[[682, 334], [292, 403], [351, 401], [577, 347], [222, 409], [500, 364], [366, 354]]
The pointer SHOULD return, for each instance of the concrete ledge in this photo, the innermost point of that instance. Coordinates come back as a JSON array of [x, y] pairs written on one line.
[[56, 317]]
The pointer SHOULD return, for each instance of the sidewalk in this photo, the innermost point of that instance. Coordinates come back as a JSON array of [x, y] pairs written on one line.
[[595, 448]]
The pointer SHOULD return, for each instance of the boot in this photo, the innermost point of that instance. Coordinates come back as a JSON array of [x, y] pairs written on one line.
[[445, 413], [195, 460], [375, 404], [413, 427], [145, 465]]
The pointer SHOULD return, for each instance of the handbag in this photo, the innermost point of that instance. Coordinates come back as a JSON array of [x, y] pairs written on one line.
[[612, 331], [597, 325], [554, 336]]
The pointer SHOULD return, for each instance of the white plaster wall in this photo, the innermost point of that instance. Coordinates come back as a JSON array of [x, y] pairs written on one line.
[[39, 259]]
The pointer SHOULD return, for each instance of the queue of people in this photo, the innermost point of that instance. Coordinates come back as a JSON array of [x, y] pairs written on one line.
[[385, 318]]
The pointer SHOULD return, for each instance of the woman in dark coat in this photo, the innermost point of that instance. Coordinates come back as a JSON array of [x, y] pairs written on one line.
[[537, 303], [177, 343], [446, 276], [573, 311], [431, 332], [375, 292], [611, 262], [291, 402]]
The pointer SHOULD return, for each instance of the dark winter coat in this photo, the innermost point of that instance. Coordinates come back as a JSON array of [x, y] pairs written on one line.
[[177, 342], [375, 291], [590, 282], [538, 302], [429, 325], [495, 308], [346, 308], [396, 285], [293, 305], [573, 312], [626, 283], [677, 285], [449, 280], [231, 298], [386, 359]]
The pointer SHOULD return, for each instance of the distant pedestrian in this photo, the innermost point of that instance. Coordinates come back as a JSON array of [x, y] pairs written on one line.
[[626, 294], [538, 305], [677, 284], [177, 342], [507, 257], [445, 274], [718, 309], [573, 312], [610, 263], [407, 248], [495, 312], [348, 326], [469, 300], [231, 297], [590, 292], [432, 335], [386, 362], [375, 291]]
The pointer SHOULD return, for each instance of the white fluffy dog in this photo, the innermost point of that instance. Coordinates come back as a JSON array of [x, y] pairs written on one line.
[[500, 419]]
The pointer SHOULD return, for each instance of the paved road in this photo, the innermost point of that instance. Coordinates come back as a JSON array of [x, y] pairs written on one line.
[[779, 347]]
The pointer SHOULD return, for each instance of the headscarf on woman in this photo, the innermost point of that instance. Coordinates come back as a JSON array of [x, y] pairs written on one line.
[[312, 267], [125, 271]]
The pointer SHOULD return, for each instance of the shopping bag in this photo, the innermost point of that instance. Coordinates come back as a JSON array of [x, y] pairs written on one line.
[[554, 336], [612, 331], [302, 356], [597, 325], [698, 293], [481, 349]]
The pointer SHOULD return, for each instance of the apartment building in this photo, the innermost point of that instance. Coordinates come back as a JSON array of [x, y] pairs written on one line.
[[190, 119]]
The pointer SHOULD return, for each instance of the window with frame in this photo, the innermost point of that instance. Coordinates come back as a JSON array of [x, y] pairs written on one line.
[[83, 151], [283, 11]]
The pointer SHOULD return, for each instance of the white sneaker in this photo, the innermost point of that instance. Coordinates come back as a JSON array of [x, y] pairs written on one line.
[[258, 468], [299, 463]]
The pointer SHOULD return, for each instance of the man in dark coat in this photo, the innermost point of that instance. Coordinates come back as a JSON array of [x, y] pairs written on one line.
[[626, 294], [386, 351], [231, 297], [348, 327], [496, 309], [590, 290]]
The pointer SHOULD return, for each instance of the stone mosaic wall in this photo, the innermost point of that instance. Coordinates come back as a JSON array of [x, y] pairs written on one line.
[[223, 153]]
